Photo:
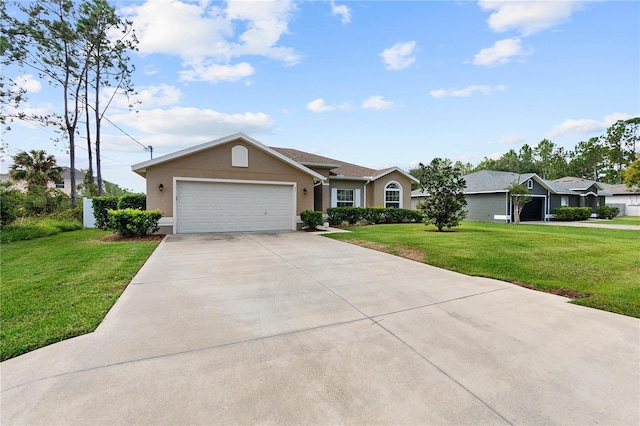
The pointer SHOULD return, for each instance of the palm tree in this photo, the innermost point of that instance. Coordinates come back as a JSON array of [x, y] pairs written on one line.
[[35, 167]]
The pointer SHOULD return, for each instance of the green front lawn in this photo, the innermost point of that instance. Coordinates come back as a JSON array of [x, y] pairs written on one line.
[[62, 286], [600, 267], [626, 220]]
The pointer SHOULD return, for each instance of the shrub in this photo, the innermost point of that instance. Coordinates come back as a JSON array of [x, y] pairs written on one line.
[[133, 222], [311, 218], [133, 201], [41, 200], [11, 205], [607, 212], [572, 213], [373, 215], [100, 207]]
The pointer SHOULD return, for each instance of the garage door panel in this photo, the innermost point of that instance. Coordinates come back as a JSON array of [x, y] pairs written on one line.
[[229, 207]]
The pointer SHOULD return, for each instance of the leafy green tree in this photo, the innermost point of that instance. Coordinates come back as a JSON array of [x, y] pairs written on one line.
[[36, 168], [620, 143], [445, 202], [109, 66], [631, 174], [587, 160], [519, 195], [44, 37]]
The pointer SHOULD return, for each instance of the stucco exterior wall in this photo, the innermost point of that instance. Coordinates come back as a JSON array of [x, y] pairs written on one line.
[[376, 188], [215, 163]]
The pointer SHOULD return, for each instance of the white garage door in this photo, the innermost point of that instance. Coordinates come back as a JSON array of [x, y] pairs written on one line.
[[233, 207]]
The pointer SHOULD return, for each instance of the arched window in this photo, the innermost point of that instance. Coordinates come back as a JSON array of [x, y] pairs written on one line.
[[393, 195]]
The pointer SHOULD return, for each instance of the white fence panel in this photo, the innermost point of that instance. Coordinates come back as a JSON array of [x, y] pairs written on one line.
[[88, 219]]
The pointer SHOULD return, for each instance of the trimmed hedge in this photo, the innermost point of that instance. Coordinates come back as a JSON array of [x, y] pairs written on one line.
[[133, 201], [134, 222], [101, 205], [311, 218], [569, 214], [607, 212], [374, 215]]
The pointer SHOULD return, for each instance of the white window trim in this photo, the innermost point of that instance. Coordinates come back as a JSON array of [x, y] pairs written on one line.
[[356, 197], [399, 190], [530, 184]]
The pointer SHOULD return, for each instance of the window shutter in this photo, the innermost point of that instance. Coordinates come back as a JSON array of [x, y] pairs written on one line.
[[357, 198], [334, 197]]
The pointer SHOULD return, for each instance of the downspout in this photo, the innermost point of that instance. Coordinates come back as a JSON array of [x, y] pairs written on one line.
[[364, 190]]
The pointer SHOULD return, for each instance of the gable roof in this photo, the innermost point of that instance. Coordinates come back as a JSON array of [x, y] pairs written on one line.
[[495, 181], [141, 168], [338, 169]]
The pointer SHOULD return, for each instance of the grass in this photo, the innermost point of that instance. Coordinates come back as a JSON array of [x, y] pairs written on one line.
[[62, 286], [32, 228], [625, 220], [600, 267]]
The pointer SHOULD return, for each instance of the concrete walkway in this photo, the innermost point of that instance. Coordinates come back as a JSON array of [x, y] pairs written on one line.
[[294, 328], [588, 224]]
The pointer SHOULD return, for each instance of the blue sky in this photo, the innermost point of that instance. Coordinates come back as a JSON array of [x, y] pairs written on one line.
[[370, 82]]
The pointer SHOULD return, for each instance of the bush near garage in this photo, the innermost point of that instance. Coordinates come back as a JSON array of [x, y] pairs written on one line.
[[607, 212], [311, 218], [101, 205], [375, 215], [132, 201], [133, 223], [570, 214]]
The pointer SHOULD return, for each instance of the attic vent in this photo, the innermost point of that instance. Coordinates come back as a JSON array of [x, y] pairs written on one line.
[[530, 184], [239, 156]]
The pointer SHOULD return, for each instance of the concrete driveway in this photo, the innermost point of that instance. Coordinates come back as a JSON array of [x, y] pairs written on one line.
[[293, 328]]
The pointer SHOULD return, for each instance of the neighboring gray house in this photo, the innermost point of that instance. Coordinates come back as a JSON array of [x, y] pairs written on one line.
[[488, 197]]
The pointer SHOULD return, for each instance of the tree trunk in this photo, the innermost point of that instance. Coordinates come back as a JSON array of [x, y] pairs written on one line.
[[98, 120]]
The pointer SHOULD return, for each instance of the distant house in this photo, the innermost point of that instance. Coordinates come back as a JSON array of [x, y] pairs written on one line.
[[64, 185], [626, 199], [488, 197]]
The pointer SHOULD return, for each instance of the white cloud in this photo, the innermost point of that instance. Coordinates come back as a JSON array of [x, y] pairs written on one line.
[[214, 73], [585, 125], [467, 91], [512, 139], [529, 17], [342, 11], [377, 102], [27, 83], [194, 122], [399, 56], [146, 97], [204, 31], [318, 105], [500, 53]]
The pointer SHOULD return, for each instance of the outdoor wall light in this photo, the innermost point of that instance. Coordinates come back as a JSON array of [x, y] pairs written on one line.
[[304, 191], [161, 187]]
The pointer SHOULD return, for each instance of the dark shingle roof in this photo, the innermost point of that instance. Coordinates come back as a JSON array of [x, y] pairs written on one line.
[[493, 181], [338, 168]]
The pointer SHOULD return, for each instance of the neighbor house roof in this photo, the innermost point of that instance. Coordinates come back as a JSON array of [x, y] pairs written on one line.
[[495, 181], [491, 181], [572, 183], [141, 168], [620, 189]]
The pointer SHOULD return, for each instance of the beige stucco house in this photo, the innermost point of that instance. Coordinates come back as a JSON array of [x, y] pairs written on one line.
[[64, 185], [238, 184]]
